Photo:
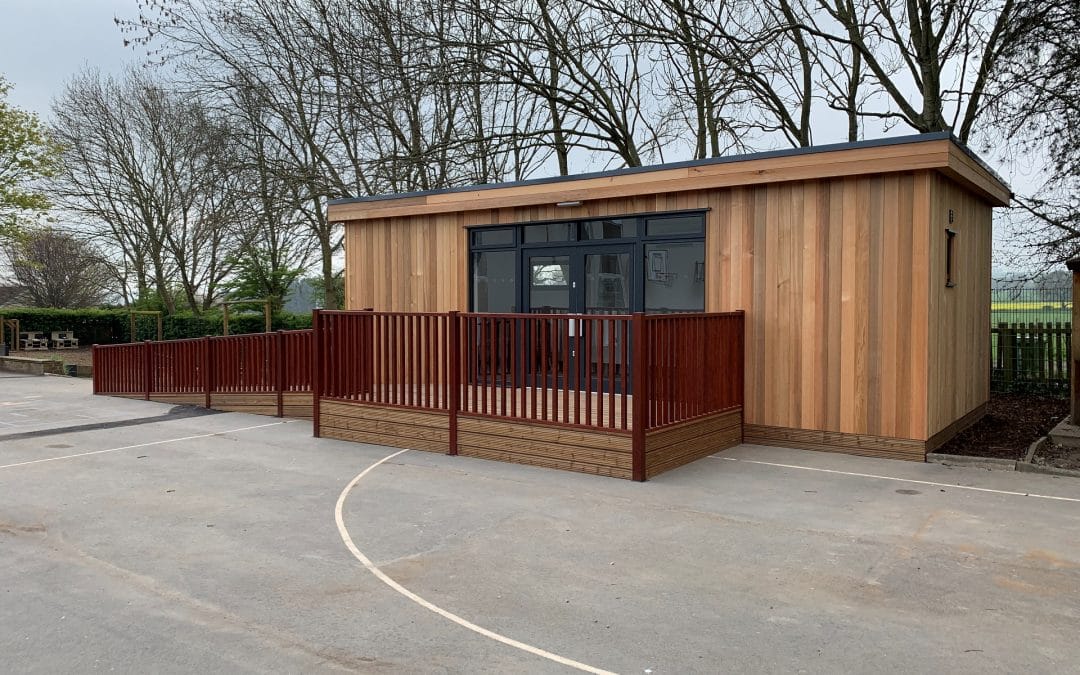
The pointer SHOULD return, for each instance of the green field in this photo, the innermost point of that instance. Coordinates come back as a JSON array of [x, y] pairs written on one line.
[[1029, 312]]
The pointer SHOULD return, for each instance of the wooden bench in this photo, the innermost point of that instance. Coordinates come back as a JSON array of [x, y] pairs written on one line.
[[64, 339], [33, 341]]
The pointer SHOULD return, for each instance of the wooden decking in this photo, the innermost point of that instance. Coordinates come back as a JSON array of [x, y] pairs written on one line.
[[485, 432]]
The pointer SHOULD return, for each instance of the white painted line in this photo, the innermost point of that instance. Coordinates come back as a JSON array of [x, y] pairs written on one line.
[[899, 480], [382, 576], [140, 445]]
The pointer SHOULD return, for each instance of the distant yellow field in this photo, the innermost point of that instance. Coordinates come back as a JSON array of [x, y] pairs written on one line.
[[1028, 306]]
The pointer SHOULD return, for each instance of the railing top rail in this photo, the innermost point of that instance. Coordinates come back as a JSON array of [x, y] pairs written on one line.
[[696, 315], [521, 315], [525, 315], [369, 312], [154, 342]]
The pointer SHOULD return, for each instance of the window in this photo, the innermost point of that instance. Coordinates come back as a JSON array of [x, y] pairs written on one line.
[[675, 225], [504, 237], [675, 277], [609, 229], [538, 234], [950, 279], [649, 262], [494, 282], [548, 272]]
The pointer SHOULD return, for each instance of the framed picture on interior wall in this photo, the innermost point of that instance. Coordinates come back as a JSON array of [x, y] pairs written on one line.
[[657, 270], [699, 271]]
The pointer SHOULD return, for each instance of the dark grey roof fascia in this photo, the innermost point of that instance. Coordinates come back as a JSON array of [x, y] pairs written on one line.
[[730, 159]]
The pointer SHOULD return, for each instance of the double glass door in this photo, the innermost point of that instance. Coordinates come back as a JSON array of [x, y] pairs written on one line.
[[585, 280]]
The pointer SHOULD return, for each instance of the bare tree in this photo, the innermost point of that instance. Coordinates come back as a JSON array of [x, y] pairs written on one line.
[[57, 269], [933, 61], [148, 172], [1037, 104]]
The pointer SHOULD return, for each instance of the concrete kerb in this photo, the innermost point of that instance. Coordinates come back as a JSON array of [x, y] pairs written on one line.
[[1025, 465], [988, 463]]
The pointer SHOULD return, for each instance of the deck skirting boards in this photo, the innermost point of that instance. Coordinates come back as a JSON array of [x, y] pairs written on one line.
[[835, 441]]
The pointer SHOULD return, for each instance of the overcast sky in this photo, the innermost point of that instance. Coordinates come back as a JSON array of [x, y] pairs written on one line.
[[44, 42]]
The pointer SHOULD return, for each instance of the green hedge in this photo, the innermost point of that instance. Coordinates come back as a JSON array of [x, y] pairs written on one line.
[[109, 326]]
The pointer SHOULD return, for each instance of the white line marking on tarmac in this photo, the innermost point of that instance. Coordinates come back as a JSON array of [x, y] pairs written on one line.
[[140, 445], [382, 576], [900, 480]]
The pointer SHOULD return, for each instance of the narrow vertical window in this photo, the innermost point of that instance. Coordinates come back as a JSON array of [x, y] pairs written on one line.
[[950, 236]]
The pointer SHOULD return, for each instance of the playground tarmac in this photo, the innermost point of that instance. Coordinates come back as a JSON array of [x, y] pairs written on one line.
[[142, 537]]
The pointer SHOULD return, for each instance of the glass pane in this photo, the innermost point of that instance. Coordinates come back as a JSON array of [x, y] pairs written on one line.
[[503, 237], [609, 229], [549, 284], [675, 277], [666, 225], [608, 280], [494, 282], [549, 232]]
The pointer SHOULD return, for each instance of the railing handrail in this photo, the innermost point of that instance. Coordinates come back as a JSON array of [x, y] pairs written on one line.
[[291, 331]]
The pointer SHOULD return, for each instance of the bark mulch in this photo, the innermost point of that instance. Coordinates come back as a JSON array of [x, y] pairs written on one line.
[[1011, 424], [1058, 456]]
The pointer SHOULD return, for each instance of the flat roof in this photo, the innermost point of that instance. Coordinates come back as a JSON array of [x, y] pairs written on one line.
[[470, 197]]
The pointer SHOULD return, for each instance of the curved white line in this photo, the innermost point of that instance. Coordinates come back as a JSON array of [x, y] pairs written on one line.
[[371, 567]]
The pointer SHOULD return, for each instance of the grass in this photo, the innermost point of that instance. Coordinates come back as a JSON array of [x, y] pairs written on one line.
[[1029, 312]]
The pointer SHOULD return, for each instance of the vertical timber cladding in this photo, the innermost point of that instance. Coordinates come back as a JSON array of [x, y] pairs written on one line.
[[825, 269], [958, 378], [852, 342]]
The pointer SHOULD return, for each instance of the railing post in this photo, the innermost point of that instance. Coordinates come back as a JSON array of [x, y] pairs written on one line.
[[148, 364], [208, 369], [454, 354], [280, 370], [316, 369], [94, 371], [640, 395]]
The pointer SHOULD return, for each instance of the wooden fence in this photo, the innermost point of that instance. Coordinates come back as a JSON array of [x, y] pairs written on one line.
[[1031, 356], [581, 392], [263, 373]]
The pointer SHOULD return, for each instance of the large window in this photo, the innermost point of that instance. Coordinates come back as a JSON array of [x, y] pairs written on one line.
[[494, 281], [653, 263], [675, 277]]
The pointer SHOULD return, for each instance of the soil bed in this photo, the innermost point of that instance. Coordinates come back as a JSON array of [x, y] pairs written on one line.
[[1011, 424], [1058, 456]]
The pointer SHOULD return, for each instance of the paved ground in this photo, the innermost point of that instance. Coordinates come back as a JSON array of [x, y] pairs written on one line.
[[220, 551]]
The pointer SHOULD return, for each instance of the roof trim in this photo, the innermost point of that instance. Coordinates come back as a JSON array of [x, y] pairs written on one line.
[[935, 151], [709, 161]]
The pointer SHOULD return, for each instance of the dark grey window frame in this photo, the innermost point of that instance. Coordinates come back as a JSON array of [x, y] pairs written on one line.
[[638, 243]]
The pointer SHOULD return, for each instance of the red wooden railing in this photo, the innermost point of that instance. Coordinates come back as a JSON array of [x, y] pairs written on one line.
[[575, 370], [568, 369], [177, 366], [625, 374], [386, 358], [120, 369], [261, 363], [693, 366]]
